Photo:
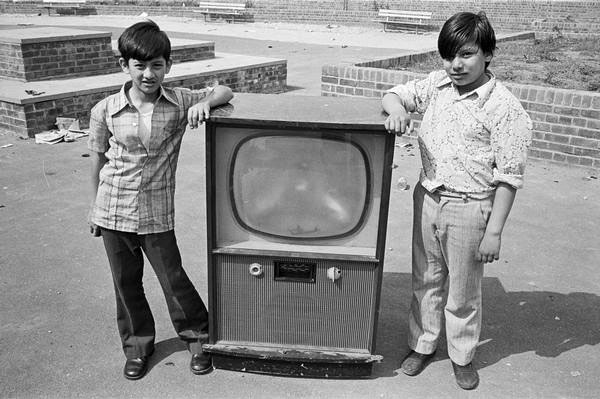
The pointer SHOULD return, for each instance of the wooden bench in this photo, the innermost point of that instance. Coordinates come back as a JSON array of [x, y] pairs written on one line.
[[227, 11], [56, 4], [398, 18]]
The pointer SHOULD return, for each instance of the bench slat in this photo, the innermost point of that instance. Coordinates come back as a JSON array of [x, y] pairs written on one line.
[[64, 2], [403, 18], [208, 9], [405, 14]]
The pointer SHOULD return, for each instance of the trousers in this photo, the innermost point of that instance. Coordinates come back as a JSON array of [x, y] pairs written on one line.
[[135, 322], [446, 275]]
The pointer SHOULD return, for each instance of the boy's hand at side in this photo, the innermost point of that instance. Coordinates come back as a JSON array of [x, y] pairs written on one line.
[[95, 230], [198, 113], [489, 248]]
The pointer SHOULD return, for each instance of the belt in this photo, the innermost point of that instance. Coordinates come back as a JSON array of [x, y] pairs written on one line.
[[444, 192]]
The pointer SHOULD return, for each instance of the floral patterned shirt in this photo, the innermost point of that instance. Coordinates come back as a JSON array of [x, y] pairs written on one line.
[[468, 142], [137, 184]]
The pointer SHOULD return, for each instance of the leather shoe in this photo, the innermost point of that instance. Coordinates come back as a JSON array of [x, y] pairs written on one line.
[[201, 363], [415, 362], [466, 376], [135, 368]]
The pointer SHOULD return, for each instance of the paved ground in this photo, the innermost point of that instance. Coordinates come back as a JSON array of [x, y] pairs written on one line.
[[58, 337]]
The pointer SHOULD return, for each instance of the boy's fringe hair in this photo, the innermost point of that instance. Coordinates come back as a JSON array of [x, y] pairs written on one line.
[[144, 41], [464, 28]]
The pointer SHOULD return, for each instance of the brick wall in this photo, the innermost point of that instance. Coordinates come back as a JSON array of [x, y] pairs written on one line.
[[26, 120], [576, 17], [56, 59], [187, 53], [566, 123]]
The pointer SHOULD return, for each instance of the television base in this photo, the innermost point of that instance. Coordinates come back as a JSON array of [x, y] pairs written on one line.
[[293, 362]]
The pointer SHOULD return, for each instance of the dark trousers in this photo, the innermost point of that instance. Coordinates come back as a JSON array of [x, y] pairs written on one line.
[[134, 318]]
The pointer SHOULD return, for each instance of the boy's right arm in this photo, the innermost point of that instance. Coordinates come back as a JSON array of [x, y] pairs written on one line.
[[398, 120], [412, 96], [98, 161]]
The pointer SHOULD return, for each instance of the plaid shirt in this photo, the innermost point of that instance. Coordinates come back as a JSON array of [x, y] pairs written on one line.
[[137, 184], [468, 142]]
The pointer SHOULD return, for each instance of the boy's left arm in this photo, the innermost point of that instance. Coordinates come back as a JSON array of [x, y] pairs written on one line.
[[200, 112], [510, 140], [489, 248]]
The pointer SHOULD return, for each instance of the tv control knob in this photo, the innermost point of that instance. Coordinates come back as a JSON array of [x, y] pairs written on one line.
[[256, 269], [333, 273]]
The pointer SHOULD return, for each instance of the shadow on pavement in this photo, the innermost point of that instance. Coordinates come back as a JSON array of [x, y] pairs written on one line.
[[546, 323]]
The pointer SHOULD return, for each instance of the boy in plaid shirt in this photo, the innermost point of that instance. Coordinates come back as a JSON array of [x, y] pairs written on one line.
[[135, 137]]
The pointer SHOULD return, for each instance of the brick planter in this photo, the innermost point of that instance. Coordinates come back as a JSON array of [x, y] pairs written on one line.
[[566, 123], [47, 53], [28, 116]]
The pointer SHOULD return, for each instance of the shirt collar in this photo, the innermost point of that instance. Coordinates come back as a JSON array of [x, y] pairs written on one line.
[[482, 92], [121, 100]]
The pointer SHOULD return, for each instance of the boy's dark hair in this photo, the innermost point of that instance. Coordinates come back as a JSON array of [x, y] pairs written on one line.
[[464, 28], [144, 41]]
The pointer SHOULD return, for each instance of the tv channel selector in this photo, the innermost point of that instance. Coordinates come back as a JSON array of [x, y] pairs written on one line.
[[256, 269], [334, 273]]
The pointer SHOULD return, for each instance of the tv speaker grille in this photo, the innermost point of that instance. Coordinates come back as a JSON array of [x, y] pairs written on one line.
[[323, 313]]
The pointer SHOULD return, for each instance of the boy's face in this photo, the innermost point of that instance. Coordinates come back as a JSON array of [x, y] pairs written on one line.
[[147, 76], [467, 68]]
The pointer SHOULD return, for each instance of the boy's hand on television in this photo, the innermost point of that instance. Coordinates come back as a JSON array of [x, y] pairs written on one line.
[[399, 123], [198, 113]]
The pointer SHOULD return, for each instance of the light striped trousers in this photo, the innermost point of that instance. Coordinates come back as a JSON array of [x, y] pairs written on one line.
[[446, 276]]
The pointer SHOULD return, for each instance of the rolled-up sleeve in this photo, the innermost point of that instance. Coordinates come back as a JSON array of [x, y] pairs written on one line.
[[99, 132], [510, 140], [415, 94]]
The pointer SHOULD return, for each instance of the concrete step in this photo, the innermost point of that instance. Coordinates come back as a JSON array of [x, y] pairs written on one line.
[[27, 108]]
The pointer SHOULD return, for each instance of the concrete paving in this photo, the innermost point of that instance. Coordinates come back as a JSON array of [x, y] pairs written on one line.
[[58, 337]]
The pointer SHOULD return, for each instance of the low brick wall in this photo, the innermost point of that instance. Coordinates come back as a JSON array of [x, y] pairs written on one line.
[[566, 123], [48, 59], [196, 52], [571, 17], [28, 119]]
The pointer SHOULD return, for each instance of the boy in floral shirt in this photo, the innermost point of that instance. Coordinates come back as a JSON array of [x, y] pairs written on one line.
[[473, 142]]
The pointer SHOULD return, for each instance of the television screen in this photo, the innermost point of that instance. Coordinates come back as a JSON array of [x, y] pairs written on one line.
[[283, 189], [299, 187]]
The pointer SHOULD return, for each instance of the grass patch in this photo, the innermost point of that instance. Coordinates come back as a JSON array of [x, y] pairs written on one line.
[[561, 62]]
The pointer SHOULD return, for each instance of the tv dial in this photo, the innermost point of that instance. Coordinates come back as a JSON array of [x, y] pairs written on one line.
[[256, 269]]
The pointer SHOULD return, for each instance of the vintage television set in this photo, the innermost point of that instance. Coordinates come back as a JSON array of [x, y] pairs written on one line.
[[297, 204]]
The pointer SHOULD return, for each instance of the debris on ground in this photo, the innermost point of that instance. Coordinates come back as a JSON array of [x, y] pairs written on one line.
[[402, 184], [34, 92], [6, 145], [68, 131]]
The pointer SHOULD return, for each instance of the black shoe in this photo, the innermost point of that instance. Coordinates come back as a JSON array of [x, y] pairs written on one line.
[[466, 376], [135, 368], [415, 362], [201, 363]]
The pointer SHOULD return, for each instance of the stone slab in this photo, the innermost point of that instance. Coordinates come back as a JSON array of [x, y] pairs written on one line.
[[49, 34], [14, 91]]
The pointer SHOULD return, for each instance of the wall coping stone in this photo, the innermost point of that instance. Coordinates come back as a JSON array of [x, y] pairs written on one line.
[[49, 34], [14, 91]]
